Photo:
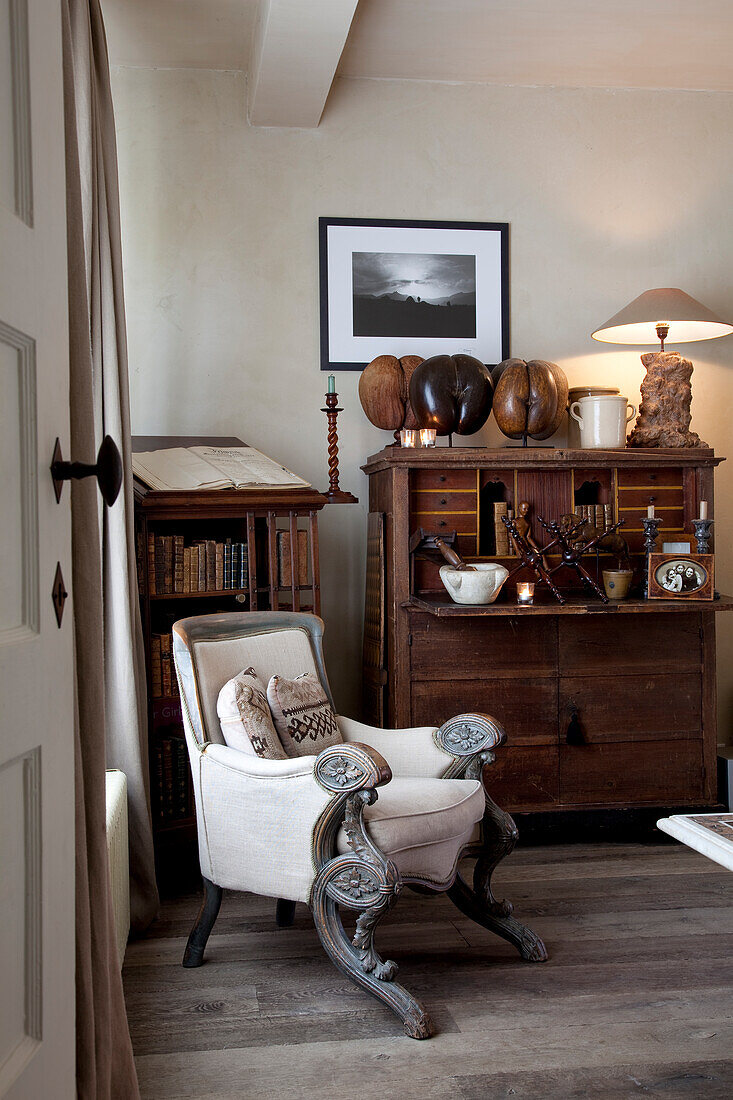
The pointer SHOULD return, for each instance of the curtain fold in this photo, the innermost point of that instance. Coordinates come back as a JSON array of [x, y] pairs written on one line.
[[110, 692]]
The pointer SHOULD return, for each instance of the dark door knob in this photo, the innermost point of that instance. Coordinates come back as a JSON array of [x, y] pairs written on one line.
[[107, 470], [574, 732]]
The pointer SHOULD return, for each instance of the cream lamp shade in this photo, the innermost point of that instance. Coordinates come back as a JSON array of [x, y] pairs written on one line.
[[663, 314]]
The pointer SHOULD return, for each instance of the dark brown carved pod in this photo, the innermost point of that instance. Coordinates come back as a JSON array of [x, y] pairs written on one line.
[[451, 393], [530, 398], [384, 391]]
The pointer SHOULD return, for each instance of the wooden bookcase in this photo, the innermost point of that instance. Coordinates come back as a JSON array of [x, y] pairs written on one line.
[[251, 516], [605, 706]]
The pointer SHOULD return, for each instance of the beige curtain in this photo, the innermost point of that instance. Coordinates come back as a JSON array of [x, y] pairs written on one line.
[[109, 656]]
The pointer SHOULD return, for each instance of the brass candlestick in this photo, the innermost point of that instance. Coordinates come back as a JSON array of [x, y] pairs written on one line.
[[335, 494]]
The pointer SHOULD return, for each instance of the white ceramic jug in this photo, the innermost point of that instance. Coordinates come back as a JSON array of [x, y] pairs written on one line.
[[482, 584], [603, 421]]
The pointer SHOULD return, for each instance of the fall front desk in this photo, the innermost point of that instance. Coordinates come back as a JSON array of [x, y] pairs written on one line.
[[605, 706]]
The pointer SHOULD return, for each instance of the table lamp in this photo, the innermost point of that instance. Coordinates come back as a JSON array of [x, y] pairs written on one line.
[[666, 393]]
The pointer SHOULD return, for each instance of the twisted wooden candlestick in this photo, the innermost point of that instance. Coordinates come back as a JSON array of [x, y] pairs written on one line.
[[335, 494]]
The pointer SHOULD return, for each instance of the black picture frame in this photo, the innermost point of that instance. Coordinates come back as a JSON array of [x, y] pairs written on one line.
[[493, 316]]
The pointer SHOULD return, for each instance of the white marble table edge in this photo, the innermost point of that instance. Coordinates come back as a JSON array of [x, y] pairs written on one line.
[[694, 835]]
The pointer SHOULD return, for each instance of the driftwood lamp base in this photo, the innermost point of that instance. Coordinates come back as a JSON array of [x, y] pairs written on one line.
[[666, 396]]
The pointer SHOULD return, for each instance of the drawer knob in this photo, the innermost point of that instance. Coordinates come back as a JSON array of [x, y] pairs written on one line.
[[574, 732], [443, 500], [442, 523], [442, 477]]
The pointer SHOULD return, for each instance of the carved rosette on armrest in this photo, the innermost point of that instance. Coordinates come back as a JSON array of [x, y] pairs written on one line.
[[351, 767], [470, 739]]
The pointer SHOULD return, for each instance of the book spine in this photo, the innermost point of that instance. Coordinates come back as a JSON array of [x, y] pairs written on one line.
[[243, 566], [158, 785], [500, 532], [165, 660], [159, 564], [156, 674], [607, 516], [168, 563], [151, 565], [178, 563], [140, 552], [194, 570], [227, 582], [202, 567], [219, 582], [235, 564], [210, 565], [181, 778], [186, 568]]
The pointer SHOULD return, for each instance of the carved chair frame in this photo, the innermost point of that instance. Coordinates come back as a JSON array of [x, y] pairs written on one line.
[[365, 879]]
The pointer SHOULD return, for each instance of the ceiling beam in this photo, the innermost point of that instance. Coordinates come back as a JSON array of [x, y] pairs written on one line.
[[296, 50]]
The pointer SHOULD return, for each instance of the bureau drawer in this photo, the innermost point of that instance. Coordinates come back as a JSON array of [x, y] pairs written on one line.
[[633, 708], [627, 645], [673, 522], [442, 648], [637, 498], [655, 478], [622, 774], [526, 708], [463, 523], [524, 778], [429, 500], [444, 479]]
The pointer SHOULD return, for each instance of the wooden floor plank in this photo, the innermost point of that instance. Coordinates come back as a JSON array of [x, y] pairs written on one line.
[[635, 999]]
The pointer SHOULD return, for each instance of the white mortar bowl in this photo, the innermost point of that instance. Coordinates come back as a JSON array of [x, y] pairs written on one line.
[[480, 585]]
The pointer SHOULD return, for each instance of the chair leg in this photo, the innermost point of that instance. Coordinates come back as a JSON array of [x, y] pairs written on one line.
[[500, 836], [369, 883], [207, 914], [284, 913]]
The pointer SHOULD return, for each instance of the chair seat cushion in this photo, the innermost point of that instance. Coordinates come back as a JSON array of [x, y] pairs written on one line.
[[422, 824]]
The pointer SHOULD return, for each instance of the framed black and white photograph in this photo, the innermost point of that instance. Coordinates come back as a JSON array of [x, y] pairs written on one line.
[[681, 576], [412, 288]]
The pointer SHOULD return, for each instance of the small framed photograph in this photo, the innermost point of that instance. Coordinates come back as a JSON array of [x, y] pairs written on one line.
[[681, 577], [412, 288]]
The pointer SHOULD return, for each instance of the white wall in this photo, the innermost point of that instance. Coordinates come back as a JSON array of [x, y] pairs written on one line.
[[607, 194]]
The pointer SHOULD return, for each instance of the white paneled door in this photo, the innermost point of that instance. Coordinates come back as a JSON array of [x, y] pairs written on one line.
[[36, 658]]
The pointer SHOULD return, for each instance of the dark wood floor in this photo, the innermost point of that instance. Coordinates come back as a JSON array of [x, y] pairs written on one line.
[[636, 999]]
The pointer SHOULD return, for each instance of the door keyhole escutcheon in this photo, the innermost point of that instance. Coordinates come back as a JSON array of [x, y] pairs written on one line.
[[574, 732], [59, 595]]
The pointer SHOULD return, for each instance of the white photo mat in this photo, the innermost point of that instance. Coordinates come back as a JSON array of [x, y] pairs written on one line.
[[341, 238]]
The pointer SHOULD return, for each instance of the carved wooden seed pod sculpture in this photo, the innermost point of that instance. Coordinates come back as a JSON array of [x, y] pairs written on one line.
[[384, 391], [451, 393], [530, 398]]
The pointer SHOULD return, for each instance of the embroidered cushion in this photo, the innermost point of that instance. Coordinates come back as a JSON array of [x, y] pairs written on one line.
[[303, 716], [245, 719]]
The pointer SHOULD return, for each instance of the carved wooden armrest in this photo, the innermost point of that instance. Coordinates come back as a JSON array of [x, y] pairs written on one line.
[[351, 767], [468, 734]]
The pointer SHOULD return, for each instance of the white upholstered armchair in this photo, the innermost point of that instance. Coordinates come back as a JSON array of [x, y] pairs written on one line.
[[348, 827]]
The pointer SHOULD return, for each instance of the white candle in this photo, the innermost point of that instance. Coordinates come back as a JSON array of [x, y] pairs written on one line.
[[525, 591], [650, 512], [703, 509], [408, 437], [427, 437]]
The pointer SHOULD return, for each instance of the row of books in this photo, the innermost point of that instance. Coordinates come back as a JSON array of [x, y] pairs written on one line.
[[600, 515], [171, 783], [204, 566], [163, 679], [210, 566]]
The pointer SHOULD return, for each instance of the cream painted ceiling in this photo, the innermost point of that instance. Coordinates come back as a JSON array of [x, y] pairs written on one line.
[[587, 43]]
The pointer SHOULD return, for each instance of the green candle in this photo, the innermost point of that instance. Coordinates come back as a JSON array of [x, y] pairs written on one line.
[[331, 383]]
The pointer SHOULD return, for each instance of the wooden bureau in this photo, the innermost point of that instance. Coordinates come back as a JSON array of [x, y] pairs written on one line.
[[605, 706]]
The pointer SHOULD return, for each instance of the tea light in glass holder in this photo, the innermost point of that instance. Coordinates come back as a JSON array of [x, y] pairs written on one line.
[[427, 437], [525, 591], [408, 437]]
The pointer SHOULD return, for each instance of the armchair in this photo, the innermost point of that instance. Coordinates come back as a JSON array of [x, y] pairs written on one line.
[[346, 828]]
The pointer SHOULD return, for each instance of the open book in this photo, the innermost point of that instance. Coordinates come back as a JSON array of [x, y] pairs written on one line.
[[181, 468]]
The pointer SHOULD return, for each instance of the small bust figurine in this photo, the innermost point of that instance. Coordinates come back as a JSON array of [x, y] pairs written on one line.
[[523, 529]]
